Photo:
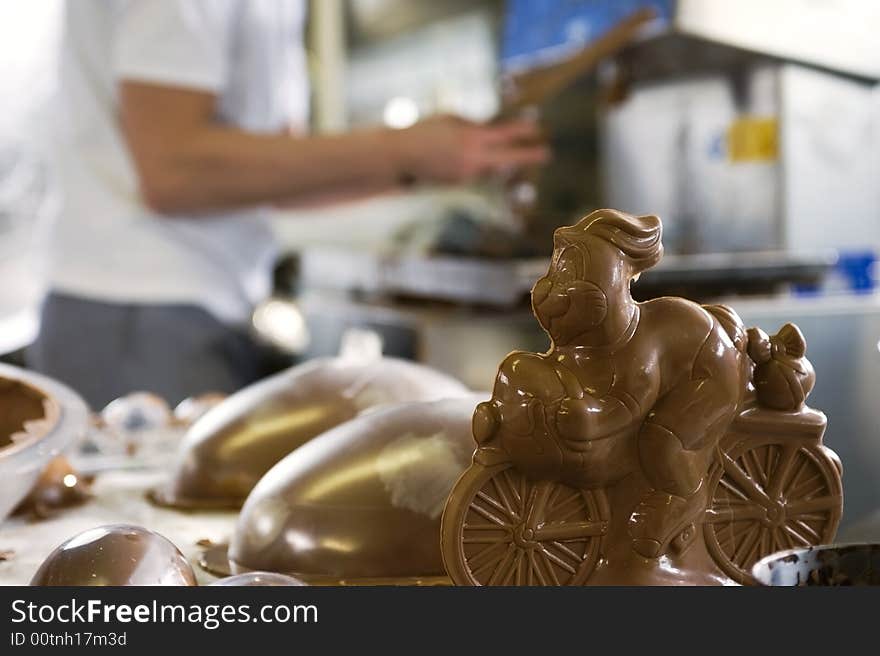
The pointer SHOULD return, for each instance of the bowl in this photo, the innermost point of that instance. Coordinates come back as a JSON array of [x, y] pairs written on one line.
[[40, 418], [823, 565]]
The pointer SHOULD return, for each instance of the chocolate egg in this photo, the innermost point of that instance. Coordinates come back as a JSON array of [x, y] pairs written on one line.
[[362, 502], [228, 450], [258, 579], [193, 408], [117, 554], [60, 486]]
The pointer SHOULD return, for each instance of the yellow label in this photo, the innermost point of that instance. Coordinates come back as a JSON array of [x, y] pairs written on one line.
[[753, 139]]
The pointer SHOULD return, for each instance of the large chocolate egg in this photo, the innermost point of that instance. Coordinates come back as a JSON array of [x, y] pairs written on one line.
[[362, 502], [228, 450], [117, 554]]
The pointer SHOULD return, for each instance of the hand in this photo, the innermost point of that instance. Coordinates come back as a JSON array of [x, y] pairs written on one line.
[[445, 149]]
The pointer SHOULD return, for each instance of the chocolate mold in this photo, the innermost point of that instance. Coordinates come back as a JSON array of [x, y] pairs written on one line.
[[228, 450], [653, 443]]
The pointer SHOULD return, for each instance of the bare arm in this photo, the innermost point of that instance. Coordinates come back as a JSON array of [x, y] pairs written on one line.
[[188, 162]]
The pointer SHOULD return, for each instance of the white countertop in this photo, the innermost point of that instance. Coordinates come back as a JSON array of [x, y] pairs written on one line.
[[118, 498]]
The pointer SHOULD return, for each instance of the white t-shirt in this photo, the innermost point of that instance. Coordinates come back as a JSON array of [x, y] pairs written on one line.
[[107, 245]]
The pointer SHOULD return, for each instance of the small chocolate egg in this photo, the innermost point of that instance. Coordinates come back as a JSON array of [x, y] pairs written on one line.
[[132, 422], [135, 412], [59, 486], [255, 579], [362, 502], [228, 450], [193, 407], [117, 554]]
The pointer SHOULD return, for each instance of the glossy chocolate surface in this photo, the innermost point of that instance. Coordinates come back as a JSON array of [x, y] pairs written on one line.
[[257, 579], [59, 486], [229, 449], [117, 554], [362, 501], [653, 443]]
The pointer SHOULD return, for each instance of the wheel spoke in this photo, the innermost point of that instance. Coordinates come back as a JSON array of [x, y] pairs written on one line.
[[502, 497], [512, 487], [797, 536], [534, 567], [556, 559], [482, 527], [760, 471], [519, 579], [803, 489], [746, 484], [537, 509], [550, 570], [765, 548], [485, 539], [738, 496], [495, 504], [566, 506], [501, 569], [488, 514], [784, 539], [507, 578], [726, 537], [747, 543], [794, 479], [780, 476], [772, 457], [752, 554], [486, 557], [570, 530], [554, 495], [729, 514], [817, 539], [567, 551], [816, 504], [746, 466]]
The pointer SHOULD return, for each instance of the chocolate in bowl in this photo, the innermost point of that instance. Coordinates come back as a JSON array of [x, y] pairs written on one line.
[[235, 443], [26, 413]]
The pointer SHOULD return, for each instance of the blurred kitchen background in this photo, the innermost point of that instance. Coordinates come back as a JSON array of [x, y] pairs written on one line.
[[752, 128]]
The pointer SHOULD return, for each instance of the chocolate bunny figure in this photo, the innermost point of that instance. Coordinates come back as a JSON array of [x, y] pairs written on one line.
[[632, 408]]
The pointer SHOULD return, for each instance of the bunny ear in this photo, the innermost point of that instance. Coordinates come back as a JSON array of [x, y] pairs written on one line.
[[791, 337]]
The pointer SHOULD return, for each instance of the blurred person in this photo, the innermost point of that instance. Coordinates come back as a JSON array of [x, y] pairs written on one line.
[[183, 122]]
